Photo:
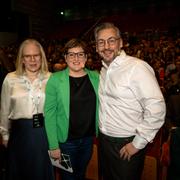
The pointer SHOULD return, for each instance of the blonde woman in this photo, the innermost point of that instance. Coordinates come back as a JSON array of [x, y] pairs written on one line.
[[22, 101]]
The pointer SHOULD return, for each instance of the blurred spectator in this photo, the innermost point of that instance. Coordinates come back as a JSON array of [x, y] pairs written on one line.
[[173, 125], [5, 66]]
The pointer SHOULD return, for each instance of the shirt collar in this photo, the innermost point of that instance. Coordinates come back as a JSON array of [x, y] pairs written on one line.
[[117, 61], [40, 76]]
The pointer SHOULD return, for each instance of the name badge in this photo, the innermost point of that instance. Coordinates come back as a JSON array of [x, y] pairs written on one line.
[[38, 120]]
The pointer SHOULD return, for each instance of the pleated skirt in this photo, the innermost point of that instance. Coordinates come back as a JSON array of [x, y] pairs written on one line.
[[28, 157]]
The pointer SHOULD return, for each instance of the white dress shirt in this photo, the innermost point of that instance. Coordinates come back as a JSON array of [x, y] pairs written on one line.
[[131, 102], [21, 98]]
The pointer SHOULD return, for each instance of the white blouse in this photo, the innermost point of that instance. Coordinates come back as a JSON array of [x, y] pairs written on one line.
[[21, 98]]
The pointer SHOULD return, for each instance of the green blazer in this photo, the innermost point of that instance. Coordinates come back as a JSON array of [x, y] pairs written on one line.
[[56, 107]]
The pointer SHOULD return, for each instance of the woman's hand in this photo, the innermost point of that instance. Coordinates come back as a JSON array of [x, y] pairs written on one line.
[[55, 154]]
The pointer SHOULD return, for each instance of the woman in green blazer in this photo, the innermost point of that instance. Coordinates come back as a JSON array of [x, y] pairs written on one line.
[[71, 110]]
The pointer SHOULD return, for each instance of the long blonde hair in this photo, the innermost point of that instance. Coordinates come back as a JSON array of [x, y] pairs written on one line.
[[19, 61]]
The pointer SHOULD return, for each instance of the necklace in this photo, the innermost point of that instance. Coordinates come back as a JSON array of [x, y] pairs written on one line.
[[32, 78], [35, 94], [31, 75]]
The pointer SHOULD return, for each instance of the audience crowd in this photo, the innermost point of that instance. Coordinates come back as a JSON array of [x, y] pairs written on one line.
[[160, 49]]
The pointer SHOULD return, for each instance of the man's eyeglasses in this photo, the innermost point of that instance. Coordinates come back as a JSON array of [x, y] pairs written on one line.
[[72, 55], [29, 57], [111, 41]]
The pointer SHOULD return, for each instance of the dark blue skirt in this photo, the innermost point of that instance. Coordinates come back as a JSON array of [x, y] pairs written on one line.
[[28, 157]]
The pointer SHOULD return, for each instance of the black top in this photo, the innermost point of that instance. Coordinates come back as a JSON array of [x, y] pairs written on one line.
[[82, 108]]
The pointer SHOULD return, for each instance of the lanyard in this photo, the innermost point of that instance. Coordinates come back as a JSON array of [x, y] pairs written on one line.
[[34, 94]]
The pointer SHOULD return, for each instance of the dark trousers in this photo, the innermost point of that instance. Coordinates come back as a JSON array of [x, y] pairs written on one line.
[[80, 152], [115, 168]]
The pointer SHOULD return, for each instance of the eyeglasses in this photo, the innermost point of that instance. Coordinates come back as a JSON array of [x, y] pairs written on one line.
[[72, 55], [29, 57], [111, 41]]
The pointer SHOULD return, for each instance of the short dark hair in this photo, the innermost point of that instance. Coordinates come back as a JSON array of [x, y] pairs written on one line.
[[106, 25], [75, 42]]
